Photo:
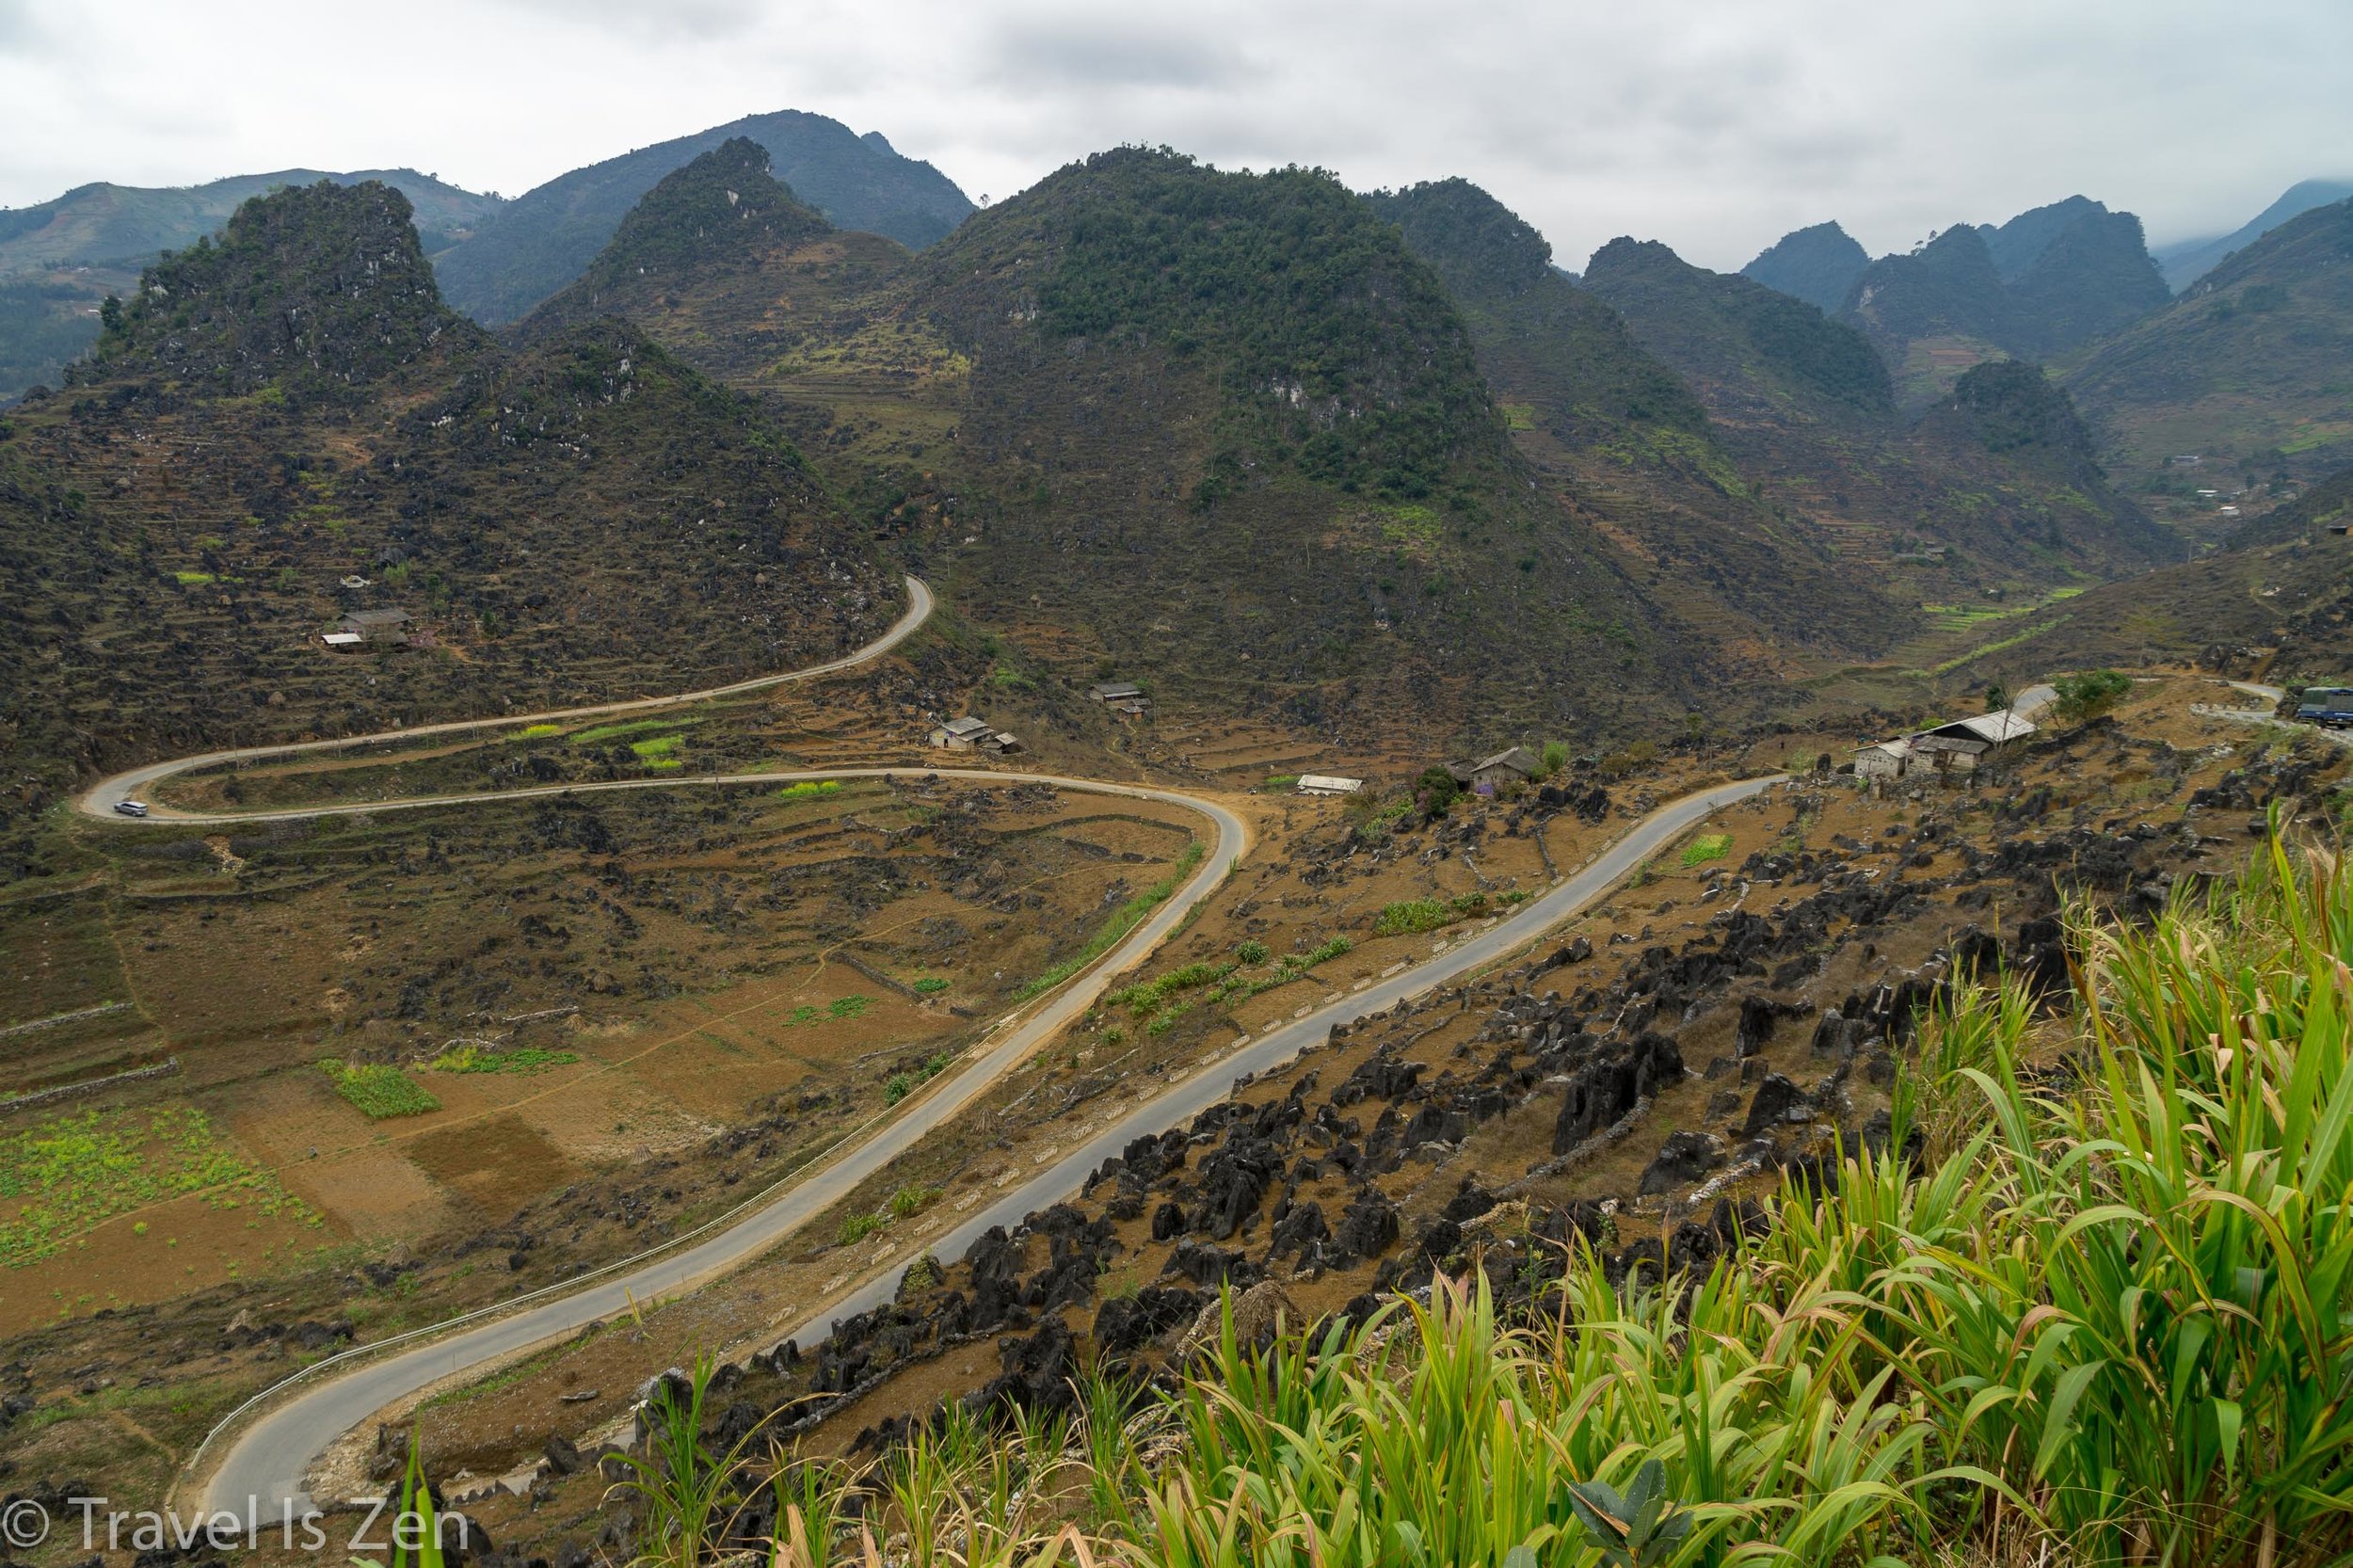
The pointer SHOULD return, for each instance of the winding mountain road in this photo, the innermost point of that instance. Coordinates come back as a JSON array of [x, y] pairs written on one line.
[[260, 1456], [101, 798]]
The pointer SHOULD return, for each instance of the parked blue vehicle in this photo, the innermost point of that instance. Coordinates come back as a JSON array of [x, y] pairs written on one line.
[[2332, 706]]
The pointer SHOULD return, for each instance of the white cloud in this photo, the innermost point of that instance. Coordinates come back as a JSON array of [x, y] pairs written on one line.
[[1712, 124]]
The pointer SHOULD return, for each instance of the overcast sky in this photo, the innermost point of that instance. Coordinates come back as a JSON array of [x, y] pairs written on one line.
[[1712, 124]]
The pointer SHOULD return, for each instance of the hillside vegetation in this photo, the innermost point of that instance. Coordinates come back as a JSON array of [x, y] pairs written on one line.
[[1223, 430], [295, 407], [1628, 443], [2276, 607]]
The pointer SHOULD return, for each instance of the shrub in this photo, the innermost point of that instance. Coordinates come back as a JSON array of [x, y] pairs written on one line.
[[2080, 698], [1251, 950], [907, 1201], [858, 1227], [931, 986], [1436, 790]]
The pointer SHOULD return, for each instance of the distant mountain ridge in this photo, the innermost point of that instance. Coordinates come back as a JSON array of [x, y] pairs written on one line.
[[104, 222], [2247, 370], [2049, 279], [58, 259], [546, 237], [1995, 481], [2183, 261], [2046, 281]]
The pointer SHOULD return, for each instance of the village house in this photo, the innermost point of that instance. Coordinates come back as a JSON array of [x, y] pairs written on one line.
[[1882, 760], [376, 626], [1328, 784], [971, 734], [1960, 748], [1514, 766], [1121, 697]]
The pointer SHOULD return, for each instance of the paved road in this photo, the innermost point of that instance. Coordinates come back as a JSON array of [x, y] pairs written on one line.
[[100, 798], [2268, 713], [262, 1462], [1188, 1097], [269, 1458]]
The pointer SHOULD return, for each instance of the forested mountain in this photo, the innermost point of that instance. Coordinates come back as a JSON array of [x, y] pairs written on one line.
[[2184, 261], [2248, 369], [707, 252], [1817, 264], [1626, 442], [546, 237], [1224, 430], [1995, 487], [2045, 282], [59, 259], [278, 417]]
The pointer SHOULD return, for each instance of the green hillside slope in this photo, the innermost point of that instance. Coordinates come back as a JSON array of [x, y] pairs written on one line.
[[2279, 607], [1629, 446]]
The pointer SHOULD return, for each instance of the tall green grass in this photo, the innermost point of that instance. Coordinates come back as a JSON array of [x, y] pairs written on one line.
[[2098, 1314]]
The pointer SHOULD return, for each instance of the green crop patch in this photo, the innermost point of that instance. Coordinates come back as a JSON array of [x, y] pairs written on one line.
[[537, 731], [809, 789], [1706, 847], [67, 1174], [379, 1092], [521, 1061]]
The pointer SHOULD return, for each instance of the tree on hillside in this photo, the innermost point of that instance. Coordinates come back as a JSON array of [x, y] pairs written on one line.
[[2081, 698], [1996, 698]]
